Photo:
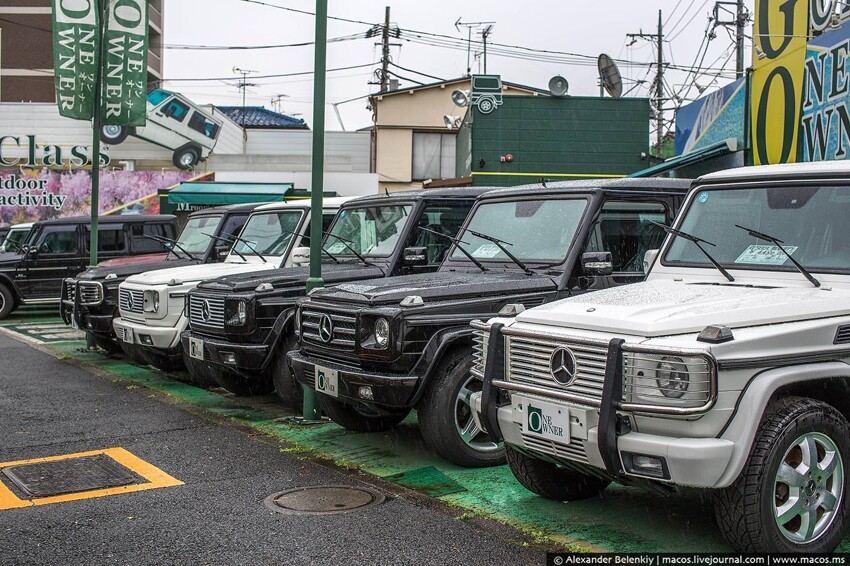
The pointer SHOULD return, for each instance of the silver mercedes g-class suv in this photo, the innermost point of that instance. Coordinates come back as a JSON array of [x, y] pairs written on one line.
[[727, 369]]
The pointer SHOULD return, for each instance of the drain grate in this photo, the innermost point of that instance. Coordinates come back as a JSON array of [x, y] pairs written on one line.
[[71, 475], [323, 500]]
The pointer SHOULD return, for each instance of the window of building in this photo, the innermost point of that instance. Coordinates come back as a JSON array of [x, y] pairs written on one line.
[[433, 155]]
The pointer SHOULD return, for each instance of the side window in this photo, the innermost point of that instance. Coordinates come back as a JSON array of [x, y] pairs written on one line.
[[444, 219], [233, 226], [111, 239], [200, 124], [176, 110], [59, 240], [145, 245], [626, 230], [327, 220]]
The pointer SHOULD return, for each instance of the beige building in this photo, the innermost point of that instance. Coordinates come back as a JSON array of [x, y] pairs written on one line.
[[412, 147]]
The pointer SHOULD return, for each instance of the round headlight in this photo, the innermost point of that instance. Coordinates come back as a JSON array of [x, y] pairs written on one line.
[[382, 332], [672, 377]]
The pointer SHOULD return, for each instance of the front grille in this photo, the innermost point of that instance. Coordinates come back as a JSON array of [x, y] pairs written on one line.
[[842, 335], [208, 313], [480, 340], [131, 301], [574, 451], [70, 290], [91, 293], [342, 336], [529, 358]]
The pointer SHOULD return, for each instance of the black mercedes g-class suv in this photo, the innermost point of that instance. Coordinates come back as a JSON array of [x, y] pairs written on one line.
[[59, 248], [370, 237], [375, 350], [90, 300]]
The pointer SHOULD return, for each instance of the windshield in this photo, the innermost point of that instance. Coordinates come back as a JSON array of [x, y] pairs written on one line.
[[539, 230], [194, 237], [810, 221], [14, 240], [268, 233], [371, 231]]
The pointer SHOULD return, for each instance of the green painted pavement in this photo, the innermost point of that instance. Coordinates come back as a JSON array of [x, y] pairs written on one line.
[[623, 519]]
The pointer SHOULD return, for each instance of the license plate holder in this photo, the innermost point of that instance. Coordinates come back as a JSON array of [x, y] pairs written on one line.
[[543, 419], [127, 335], [326, 380], [196, 349]]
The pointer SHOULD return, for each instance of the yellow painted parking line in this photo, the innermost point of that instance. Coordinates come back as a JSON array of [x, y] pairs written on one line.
[[155, 477]]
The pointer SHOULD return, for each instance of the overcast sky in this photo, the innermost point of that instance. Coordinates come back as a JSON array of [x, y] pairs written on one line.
[[574, 32]]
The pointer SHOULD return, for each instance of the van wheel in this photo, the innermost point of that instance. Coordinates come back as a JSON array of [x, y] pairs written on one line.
[[445, 415], [113, 135], [7, 302], [354, 419], [186, 157], [791, 495], [242, 386], [549, 481], [285, 384]]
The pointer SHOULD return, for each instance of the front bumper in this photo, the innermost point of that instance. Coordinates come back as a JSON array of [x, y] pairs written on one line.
[[245, 359], [165, 338], [394, 391], [695, 462], [84, 319]]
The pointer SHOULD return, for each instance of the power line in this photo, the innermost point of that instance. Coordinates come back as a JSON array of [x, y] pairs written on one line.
[[276, 76]]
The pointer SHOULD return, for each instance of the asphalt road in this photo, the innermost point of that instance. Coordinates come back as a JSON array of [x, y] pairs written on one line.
[[49, 408]]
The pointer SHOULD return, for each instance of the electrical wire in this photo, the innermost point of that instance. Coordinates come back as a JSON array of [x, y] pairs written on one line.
[[275, 76]]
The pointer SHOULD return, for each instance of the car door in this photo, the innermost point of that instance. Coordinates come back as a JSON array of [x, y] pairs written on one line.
[[55, 255]]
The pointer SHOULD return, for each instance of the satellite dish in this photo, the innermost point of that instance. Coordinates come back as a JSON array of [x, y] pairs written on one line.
[[558, 85], [460, 98], [609, 76]]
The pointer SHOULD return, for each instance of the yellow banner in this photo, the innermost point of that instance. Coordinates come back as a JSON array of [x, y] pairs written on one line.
[[780, 31]]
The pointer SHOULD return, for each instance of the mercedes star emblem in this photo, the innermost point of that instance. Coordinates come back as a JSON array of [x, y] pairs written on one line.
[[129, 301], [205, 311], [562, 366], [326, 329]]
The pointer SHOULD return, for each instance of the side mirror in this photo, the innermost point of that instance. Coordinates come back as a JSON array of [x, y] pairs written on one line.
[[415, 256], [301, 256], [648, 259], [597, 263], [220, 251]]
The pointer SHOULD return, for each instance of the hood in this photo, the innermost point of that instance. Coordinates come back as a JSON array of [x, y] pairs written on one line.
[[193, 273], [126, 269], [436, 286], [292, 277], [663, 308], [133, 259]]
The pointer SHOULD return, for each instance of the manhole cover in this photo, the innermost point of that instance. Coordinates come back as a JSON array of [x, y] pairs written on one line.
[[324, 499], [71, 475]]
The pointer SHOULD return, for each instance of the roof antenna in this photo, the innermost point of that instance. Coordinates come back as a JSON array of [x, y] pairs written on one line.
[[386, 191], [543, 182]]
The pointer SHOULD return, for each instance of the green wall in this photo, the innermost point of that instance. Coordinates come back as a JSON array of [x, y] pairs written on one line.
[[556, 139]]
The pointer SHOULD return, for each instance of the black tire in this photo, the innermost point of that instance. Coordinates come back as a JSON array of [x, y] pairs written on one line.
[[200, 374], [549, 481], [243, 386], [285, 384], [445, 415], [745, 510], [7, 302], [186, 157], [113, 135], [354, 419]]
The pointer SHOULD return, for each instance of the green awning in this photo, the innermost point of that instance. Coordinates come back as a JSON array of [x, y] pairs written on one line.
[[714, 150], [218, 194]]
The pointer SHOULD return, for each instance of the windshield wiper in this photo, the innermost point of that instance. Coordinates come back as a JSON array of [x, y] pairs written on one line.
[[163, 240], [351, 249], [778, 243], [457, 242], [697, 242], [228, 241], [499, 243], [250, 247]]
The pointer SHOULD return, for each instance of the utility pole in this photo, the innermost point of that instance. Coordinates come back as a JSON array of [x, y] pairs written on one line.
[[659, 82], [739, 19], [385, 51]]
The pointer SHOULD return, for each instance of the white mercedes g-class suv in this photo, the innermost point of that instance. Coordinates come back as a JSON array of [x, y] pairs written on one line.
[[727, 369], [152, 304]]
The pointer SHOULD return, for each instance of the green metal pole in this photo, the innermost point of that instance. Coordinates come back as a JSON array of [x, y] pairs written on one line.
[[311, 405]]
